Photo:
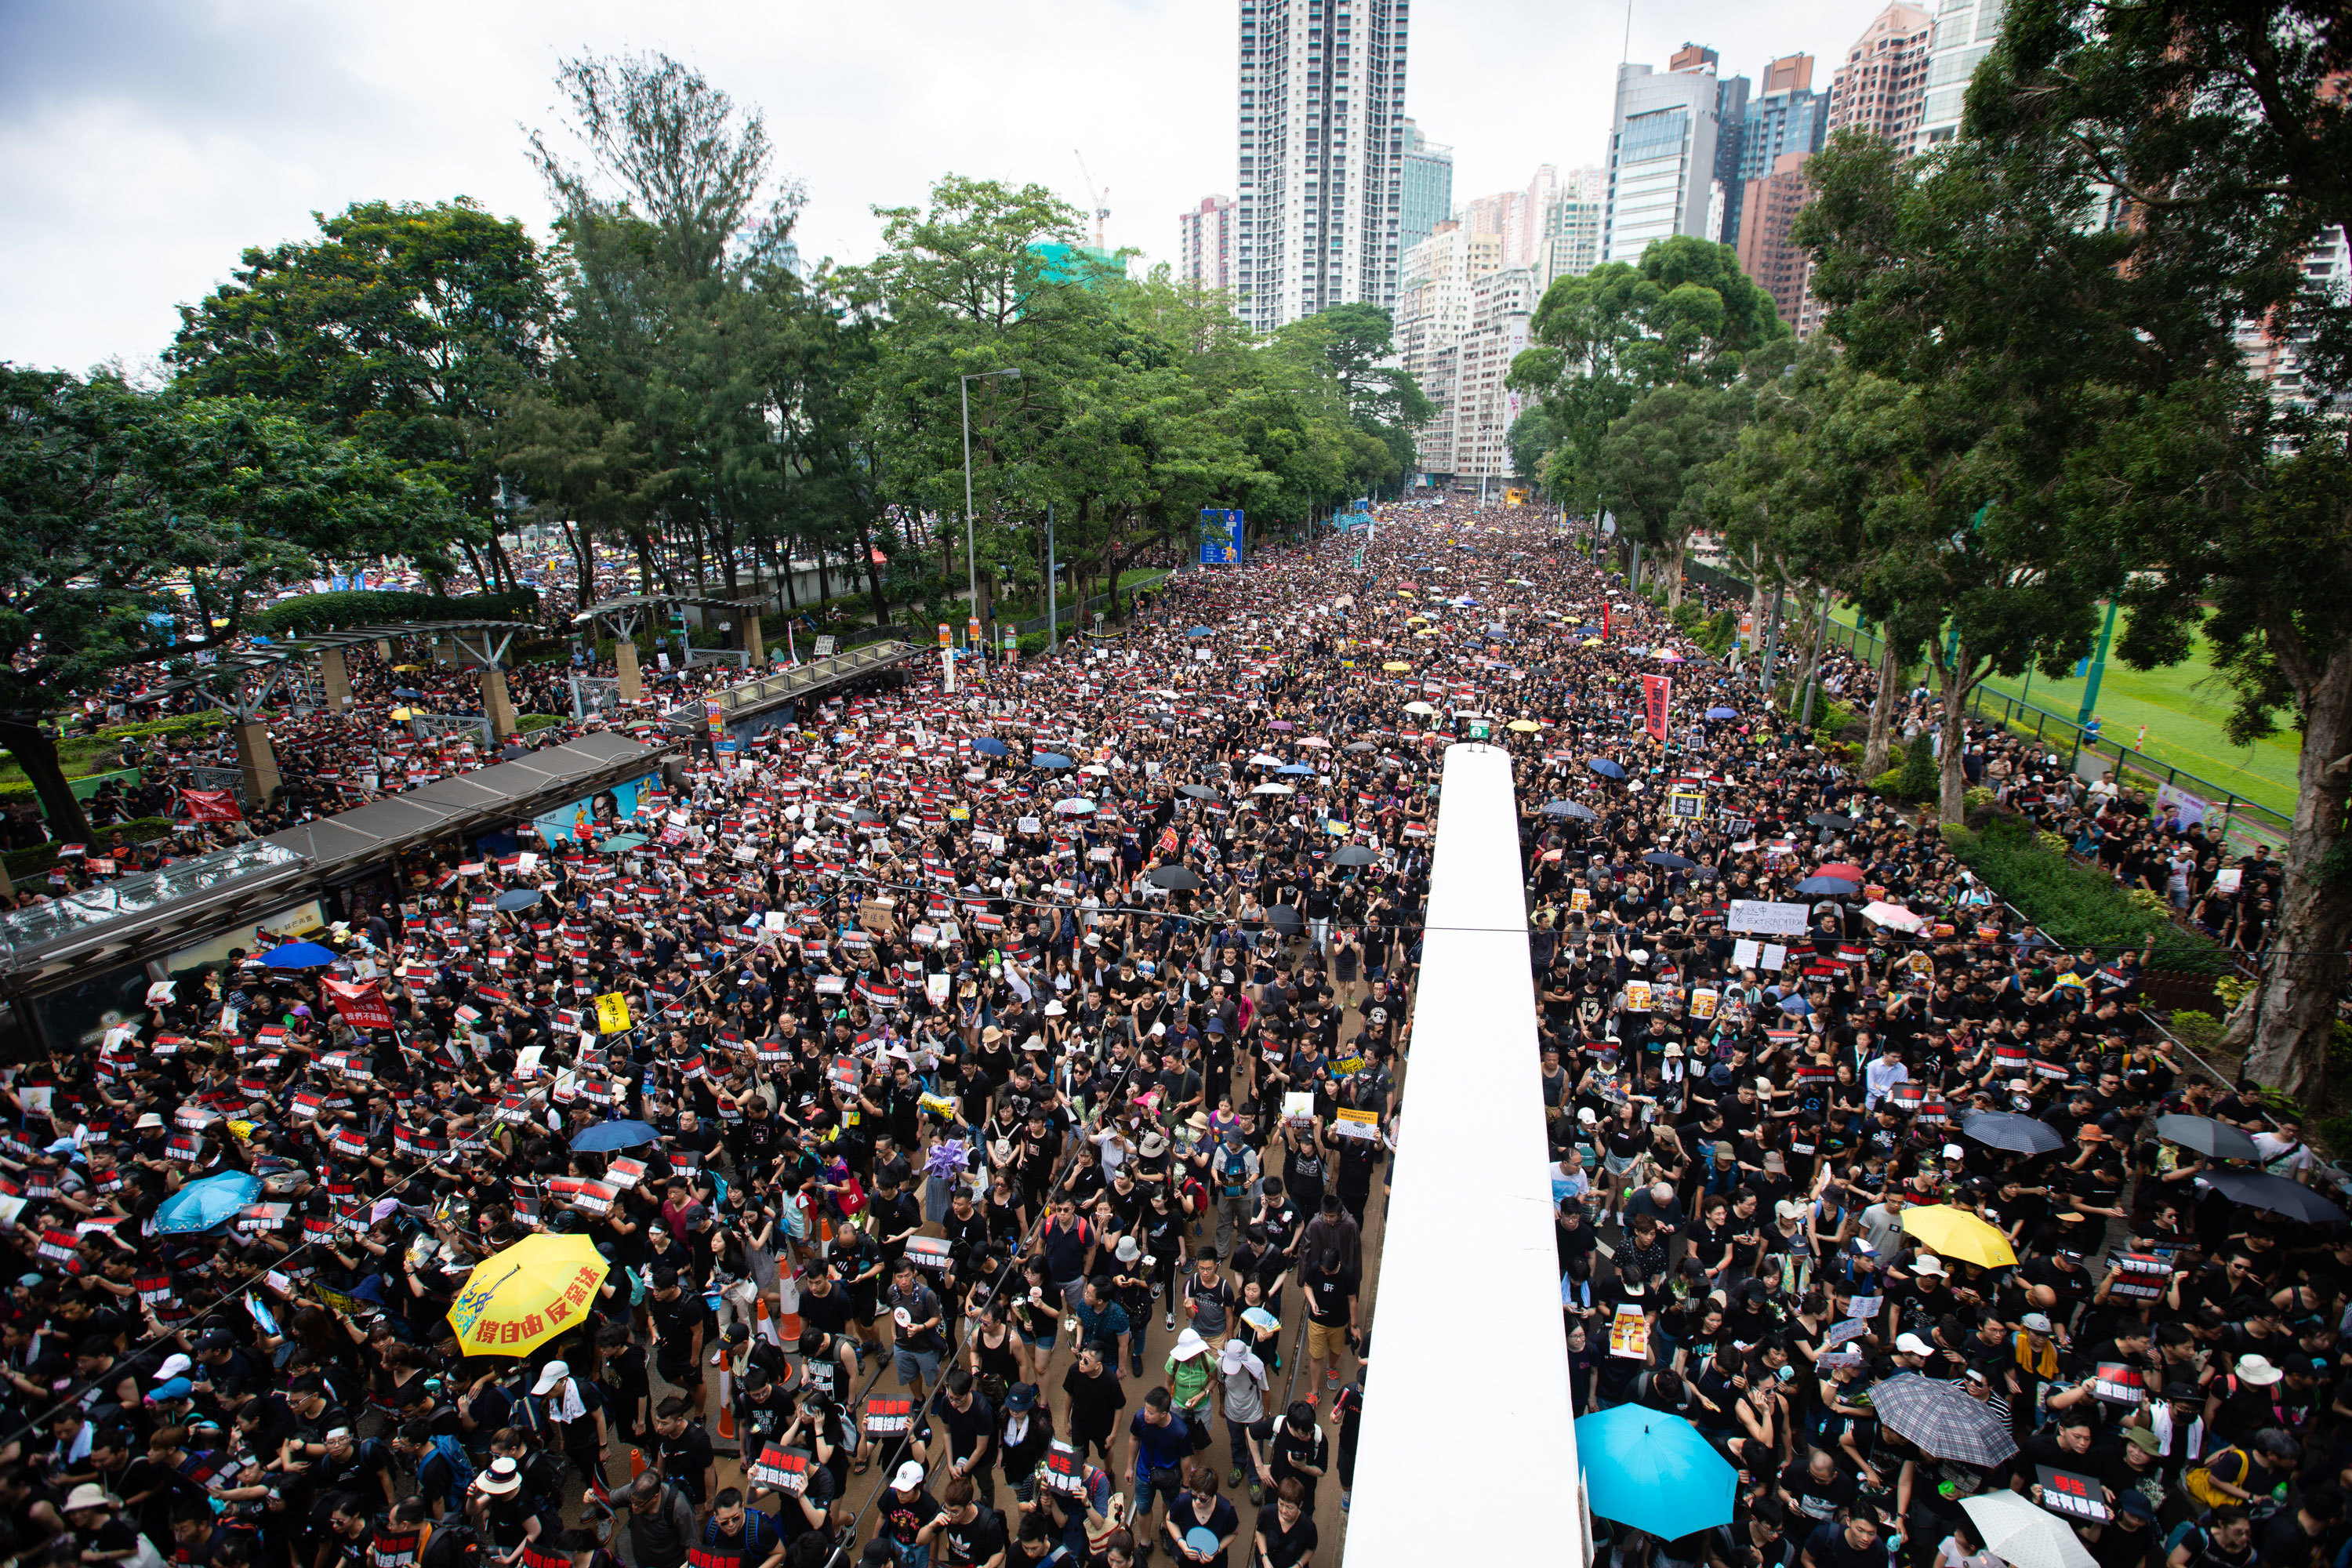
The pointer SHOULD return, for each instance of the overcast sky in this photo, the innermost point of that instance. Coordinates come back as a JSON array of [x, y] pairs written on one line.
[[143, 143]]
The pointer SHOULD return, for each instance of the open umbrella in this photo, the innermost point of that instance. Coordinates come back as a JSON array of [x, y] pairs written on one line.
[[518, 898], [621, 842], [522, 1296], [1669, 860], [1282, 724], [200, 1205], [1723, 713], [1175, 877], [1396, 665], [1832, 820], [1285, 919], [2007, 1130], [1844, 870], [1355, 855], [1605, 768], [989, 746], [2215, 1140], [299, 955], [1422, 708], [1525, 726], [1357, 746], [1829, 886], [1654, 1471], [1939, 1415], [1954, 1232], [2023, 1535], [1294, 769], [1202, 632], [1895, 915], [607, 1136], [1049, 760], [2257, 1189], [1076, 806], [407, 691], [1198, 791], [1272, 788]]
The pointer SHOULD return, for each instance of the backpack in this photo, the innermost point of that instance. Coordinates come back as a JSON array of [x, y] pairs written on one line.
[[1233, 1171], [461, 1469]]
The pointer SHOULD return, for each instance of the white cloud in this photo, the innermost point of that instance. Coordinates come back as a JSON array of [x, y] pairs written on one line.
[[143, 145]]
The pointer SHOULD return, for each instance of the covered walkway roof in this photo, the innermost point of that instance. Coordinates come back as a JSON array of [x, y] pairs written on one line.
[[809, 679], [58, 943]]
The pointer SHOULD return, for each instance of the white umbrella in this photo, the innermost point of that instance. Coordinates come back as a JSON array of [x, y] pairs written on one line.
[[1895, 915], [1419, 707], [1271, 788], [2025, 1536], [1076, 805]]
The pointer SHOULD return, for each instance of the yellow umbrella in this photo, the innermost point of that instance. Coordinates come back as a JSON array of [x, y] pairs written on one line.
[[1395, 664], [1404, 593], [1956, 1233], [401, 713], [1525, 726], [1428, 632], [518, 1299], [406, 669], [1592, 642]]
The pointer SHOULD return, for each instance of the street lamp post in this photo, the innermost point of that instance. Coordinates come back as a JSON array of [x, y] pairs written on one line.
[[971, 561]]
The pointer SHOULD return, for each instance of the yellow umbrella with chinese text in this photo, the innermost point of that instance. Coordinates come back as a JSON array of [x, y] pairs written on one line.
[[517, 1299], [1954, 1232]]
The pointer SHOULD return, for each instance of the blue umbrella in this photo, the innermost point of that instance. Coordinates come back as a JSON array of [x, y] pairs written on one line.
[[1201, 632], [609, 1135], [1723, 713], [1831, 886], [200, 1205], [1294, 768], [407, 691], [988, 748], [518, 898], [1049, 759], [299, 955], [1654, 1471], [1605, 768]]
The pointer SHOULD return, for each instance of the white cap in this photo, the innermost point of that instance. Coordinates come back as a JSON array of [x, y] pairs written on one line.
[[909, 1477], [1912, 1344], [173, 1365], [1954, 1151], [1926, 1263], [550, 1374]]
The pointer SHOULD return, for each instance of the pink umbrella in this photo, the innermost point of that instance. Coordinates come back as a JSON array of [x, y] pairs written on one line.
[[1281, 724]]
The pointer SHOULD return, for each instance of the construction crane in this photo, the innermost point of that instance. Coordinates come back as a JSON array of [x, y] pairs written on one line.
[[1100, 199]]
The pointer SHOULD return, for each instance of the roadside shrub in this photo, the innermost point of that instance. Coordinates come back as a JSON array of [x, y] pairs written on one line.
[[1922, 779], [2079, 906], [41, 859]]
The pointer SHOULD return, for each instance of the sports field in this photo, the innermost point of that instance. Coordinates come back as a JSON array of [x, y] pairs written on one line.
[[2182, 707]]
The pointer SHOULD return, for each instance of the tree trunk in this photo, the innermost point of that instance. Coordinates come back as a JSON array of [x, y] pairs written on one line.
[[645, 561], [36, 752], [1814, 641], [1675, 554], [481, 578], [1953, 691], [500, 564], [2303, 969], [1882, 714], [873, 572]]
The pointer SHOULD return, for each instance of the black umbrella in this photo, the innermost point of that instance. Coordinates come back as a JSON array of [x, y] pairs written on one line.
[[2215, 1140], [1670, 860], [1355, 855], [2017, 1134], [2258, 1190], [1830, 819], [518, 898], [1198, 791], [1939, 1415], [1176, 878], [1285, 919]]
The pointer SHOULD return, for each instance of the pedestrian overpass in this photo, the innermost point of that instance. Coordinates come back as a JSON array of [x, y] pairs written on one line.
[[1470, 1363]]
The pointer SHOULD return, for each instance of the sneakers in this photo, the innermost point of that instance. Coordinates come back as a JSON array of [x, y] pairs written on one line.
[[1345, 1498], [1257, 1493], [1330, 1377], [1235, 1479], [1311, 1396], [1168, 1320]]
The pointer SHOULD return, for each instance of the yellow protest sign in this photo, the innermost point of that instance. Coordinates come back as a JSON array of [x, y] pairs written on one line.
[[612, 1012]]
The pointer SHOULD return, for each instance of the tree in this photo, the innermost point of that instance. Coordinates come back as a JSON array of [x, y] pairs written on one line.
[[2222, 135], [1653, 461], [1685, 314], [111, 499], [1968, 285], [1530, 439], [405, 326]]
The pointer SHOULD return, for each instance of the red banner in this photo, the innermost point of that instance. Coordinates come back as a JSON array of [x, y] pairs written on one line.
[[1604, 618], [1656, 691], [363, 1006], [209, 805]]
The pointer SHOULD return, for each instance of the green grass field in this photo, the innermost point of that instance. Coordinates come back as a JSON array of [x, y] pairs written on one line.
[[2183, 707]]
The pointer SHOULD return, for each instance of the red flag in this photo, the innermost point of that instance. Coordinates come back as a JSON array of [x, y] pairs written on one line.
[[363, 1006], [1604, 618], [209, 805], [1656, 691]]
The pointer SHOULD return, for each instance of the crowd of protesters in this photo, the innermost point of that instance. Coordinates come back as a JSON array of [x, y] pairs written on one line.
[[995, 1045]]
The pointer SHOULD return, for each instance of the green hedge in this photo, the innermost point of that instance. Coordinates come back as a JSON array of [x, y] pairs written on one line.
[[40, 858], [375, 606], [179, 725], [525, 722], [2078, 905]]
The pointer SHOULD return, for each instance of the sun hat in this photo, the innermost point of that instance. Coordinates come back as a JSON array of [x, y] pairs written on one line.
[[1189, 1344], [88, 1495], [2258, 1371], [503, 1476]]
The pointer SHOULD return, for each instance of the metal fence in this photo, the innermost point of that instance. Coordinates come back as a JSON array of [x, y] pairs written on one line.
[[428, 725], [229, 779], [1065, 613]]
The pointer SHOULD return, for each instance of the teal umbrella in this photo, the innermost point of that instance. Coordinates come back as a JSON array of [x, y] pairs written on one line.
[[1654, 1471], [200, 1205]]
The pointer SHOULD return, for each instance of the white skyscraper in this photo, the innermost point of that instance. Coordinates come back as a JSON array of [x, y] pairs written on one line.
[[1320, 197], [1966, 31], [1662, 155]]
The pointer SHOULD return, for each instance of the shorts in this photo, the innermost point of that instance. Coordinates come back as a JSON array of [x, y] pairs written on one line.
[[1043, 1341], [687, 1377], [912, 1364], [1326, 1341]]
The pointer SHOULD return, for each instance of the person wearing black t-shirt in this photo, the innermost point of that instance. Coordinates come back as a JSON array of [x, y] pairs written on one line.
[[1850, 1541]]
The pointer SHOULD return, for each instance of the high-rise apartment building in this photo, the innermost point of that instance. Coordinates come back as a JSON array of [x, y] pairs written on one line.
[[1434, 309], [1775, 265], [1568, 241], [1320, 195], [1204, 244], [1883, 83], [1786, 116], [1966, 31], [1501, 305], [1428, 187], [1662, 155], [1516, 217]]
